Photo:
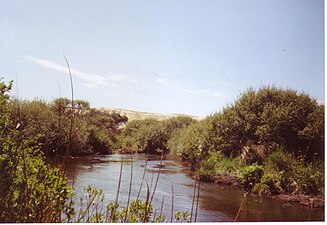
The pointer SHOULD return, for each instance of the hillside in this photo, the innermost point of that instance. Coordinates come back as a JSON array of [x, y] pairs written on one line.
[[135, 115]]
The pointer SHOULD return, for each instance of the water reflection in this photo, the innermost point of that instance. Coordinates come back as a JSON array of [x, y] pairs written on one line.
[[217, 203]]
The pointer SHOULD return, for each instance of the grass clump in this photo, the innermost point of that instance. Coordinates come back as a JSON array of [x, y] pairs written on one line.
[[217, 164]]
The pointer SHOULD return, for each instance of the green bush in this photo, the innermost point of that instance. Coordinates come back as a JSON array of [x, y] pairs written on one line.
[[294, 174], [49, 124], [251, 175], [272, 115], [279, 160], [30, 191], [272, 182], [217, 164], [261, 189], [152, 136]]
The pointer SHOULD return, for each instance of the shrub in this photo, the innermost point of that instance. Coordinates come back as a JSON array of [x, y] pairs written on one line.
[[217, 164], [291, 174], [251, 175], [49, 125], [261, 189], [272, 183], [272, 115], [151, 136], [279, 160], [30, 191]]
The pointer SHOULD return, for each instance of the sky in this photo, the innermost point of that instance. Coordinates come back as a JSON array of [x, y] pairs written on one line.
[[167, 56]]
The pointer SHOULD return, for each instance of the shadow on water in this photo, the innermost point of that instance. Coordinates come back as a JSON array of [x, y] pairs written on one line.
[[217, 202]]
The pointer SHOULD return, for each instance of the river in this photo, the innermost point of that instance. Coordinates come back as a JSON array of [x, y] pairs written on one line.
[[217, 203]]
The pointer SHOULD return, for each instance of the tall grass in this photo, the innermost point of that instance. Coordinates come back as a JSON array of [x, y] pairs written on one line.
[[130, 187], [67, 153]]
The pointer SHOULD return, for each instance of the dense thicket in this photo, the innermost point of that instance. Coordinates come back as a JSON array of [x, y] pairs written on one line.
[[272, 139], [256, 123], [49, 125], [150, 135], [30, 191], [273, 116]]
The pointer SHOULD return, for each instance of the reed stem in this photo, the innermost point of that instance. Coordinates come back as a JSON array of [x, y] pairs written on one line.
[[172, 202], [130, 188], [194, 192], [159, 171], [119, 181], [239, 210], [68, 150], [143, 176], [162, 204]]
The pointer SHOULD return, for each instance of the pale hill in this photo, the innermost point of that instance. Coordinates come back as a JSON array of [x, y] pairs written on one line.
[[134, 115]]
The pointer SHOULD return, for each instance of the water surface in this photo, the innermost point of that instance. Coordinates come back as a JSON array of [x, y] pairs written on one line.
[[217, 203]]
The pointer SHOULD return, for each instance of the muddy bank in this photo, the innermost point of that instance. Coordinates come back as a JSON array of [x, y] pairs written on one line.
[[297, 199], [304, 200]]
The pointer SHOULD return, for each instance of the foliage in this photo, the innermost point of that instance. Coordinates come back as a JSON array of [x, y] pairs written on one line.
[[249, 130], [187, 142], [93, 210], [30, 191], [217, 163], [251, 175], [182, 216], [272, 184], [272, 115], [49, 125], [150, 135], [294, 175]]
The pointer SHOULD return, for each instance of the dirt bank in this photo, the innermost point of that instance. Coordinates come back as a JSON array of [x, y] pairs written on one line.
[[296, 199]]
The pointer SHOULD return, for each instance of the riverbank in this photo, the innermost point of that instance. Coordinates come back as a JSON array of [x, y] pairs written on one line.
[[311, 201], [227, 181]]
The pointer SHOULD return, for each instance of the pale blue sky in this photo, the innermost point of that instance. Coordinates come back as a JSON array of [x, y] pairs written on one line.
[[190, 57]]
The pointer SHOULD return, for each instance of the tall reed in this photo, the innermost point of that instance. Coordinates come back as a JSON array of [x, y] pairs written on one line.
[[159, 171], [162, 204], [68, 150], [130, 188], [119, 181], [194, 190], [172, 202], [142, 181], [239, 210]]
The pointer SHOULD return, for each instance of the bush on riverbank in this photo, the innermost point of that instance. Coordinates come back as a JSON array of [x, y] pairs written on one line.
[[280, 173], [217, 164], [150, 135], [30, 191], [294, 175], [252, 130], [49, 124]]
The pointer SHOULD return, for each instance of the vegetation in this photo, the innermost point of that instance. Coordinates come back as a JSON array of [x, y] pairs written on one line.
[[94, 131], [32, 191], [93, 210], [271, 140], [150, 135]]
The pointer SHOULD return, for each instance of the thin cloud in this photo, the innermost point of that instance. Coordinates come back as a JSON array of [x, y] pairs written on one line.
[[92, 79], [172, 86]]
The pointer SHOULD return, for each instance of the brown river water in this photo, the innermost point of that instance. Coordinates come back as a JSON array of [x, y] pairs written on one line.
[[217, 203]]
